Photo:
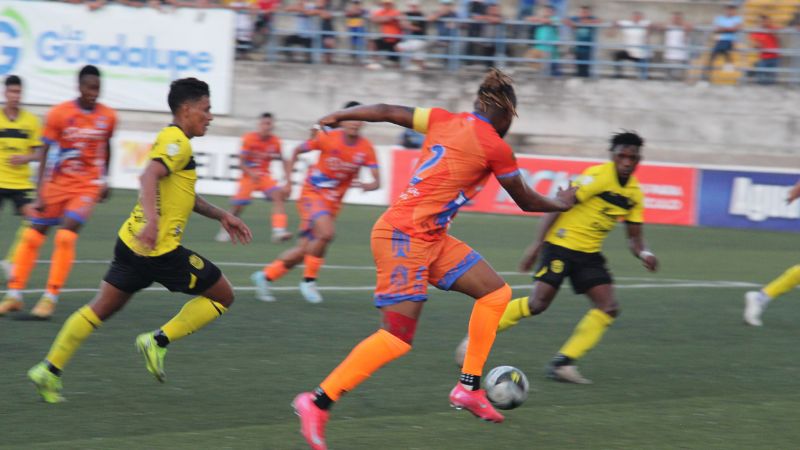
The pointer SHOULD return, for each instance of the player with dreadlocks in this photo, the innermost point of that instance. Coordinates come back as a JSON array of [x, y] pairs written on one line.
[[411, 246]]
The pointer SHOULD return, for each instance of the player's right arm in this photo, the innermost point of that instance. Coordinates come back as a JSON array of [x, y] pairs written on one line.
[[532, 252], [398, 115], [794, 193], [155, 171], [531, 201]]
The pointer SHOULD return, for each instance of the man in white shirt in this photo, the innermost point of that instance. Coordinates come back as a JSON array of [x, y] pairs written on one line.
[[634, 35], [676, 43]]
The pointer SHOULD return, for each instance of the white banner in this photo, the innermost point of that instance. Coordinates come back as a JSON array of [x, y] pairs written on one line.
[[217, 159], [138, 50]]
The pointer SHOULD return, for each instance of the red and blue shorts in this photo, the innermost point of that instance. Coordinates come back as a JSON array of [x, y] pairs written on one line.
[[66, 198], [310, 207], [247, 186], [405, 264]]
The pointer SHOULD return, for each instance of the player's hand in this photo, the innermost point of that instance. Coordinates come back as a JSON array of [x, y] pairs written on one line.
[[330, 121], [794, 194], [649, 261], [37, 205], [286, 190], [236, 228], [18, 160], [149, 235], [366, 187], [567, 196], [105, 193], [529, 258]]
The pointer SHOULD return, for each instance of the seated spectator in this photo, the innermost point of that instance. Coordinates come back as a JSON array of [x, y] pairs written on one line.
[[727, 28], [445, 28], [356, 22], [306, 11], [388, 19], [766, 40], [583, 29], [634, 36], [416, 26], [246, 14], [329, 40], [263, 25], [546, 37], [676, 45], [476, 11]]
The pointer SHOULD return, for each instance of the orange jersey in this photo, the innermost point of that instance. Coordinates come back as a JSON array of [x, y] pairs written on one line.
[[338, 163], [459, 153], [258, 152], [82, 138]]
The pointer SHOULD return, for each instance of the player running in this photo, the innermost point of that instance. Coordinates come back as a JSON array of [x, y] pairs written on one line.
[[82, 129], [259, 149], [411, 246], [569, 244], [342, 154], [755, 302], [20, 144], [149, 248]]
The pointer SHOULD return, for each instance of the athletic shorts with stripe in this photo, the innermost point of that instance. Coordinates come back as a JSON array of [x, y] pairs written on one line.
[[311, 206], [247, 186], [66, 199], [405, 264]]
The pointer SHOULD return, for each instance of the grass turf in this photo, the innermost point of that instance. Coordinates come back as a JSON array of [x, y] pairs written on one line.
[[677, 370]]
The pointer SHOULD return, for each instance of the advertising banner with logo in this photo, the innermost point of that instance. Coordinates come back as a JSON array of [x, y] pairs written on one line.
[[669, 190], [744, 199], [218, 171], [139, 51]]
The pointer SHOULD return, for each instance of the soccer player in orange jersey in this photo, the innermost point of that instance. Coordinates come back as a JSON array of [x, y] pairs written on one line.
[[342, 154], [411, 246], [81, 129], [259, 149]]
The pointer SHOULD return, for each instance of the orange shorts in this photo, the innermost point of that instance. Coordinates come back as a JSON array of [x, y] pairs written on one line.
[[264, 184], [310, 207], [405, 265], [66, 199]]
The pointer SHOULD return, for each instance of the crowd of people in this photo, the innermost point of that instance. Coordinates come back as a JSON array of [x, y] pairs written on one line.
[[544, 36]]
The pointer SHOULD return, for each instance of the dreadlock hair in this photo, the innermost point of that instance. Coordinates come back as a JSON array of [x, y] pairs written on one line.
[[625, 138], [496, 91]]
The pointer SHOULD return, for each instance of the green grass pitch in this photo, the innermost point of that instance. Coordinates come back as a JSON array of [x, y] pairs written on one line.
[[677, 370]]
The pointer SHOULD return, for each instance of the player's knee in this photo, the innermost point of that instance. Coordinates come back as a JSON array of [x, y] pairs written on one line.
[[325, 235], [399, 325], [612, 309], [222, 292], [65, 238]]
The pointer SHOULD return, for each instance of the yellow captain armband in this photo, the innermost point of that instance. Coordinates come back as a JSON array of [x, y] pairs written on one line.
[[421, 118]]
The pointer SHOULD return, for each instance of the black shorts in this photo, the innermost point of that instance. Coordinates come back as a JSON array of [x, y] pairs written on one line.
[[585, 270], [180, 270], [19, 197]]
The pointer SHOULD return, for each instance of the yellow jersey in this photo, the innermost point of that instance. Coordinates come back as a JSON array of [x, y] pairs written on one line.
[[175, 197], [602, 202], [18, 137]]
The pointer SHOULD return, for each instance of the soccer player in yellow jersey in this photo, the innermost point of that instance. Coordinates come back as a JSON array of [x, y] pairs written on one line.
[[568, 246], [20, 143], [149, 248], [755, 302]]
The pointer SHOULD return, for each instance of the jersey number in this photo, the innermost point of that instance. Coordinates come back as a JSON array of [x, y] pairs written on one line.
[[437, 151]]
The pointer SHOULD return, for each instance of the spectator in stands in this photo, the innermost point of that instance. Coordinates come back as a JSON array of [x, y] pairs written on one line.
[[444, 27], [487, 26], [389, 20], [415, 26], [794, 45], [263, 25], [635, 33], [328, 39], [727, 27], [476, 10], [546, 35], [305, 15], [766, 40], [584, 29], [676, 45], [526, 8], [246, 14], [356, 21]]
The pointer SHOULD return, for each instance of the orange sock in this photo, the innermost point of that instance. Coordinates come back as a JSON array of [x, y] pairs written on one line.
[[276, 270], [364, 360], [483, 322], [62, 259], [25, 258], [312, 265], [279, 221]]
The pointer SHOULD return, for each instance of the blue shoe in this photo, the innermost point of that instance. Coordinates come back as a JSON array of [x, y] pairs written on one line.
[[262, 287]]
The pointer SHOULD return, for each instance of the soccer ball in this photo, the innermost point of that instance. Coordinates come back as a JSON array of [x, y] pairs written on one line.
[[506, 387]]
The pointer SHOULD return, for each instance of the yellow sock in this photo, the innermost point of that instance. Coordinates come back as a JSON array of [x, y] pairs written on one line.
[[516, 310], [13, 249], [195, 314], [784, 283], [587, 334], [75, 330]]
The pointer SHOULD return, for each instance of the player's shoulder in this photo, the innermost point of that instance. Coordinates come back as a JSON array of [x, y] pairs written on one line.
[[105, 110], [603, 169], [63, 108], [28, 118], [172, 134], [249, 136]]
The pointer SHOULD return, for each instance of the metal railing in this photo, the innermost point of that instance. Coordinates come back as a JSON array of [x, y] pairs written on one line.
[[509, 44]]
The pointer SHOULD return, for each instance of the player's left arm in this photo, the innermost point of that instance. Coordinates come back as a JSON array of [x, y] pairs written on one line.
[[372, 164], [794, 193], [638, 246], [398, 115], [236, 228], [105, 191]]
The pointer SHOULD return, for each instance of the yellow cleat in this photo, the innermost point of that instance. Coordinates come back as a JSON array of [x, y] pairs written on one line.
[[44, 308], [10, 304], [48, 385]]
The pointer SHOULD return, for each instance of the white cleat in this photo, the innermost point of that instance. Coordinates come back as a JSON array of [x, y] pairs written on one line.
[[753, 308], [262, 287], [567, 374], [281, 236], [222, 236], [310, 291]]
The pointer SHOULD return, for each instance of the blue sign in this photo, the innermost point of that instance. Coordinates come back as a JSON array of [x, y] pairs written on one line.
[[755, 200]]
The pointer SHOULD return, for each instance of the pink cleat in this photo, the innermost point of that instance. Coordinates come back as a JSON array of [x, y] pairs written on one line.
[[474, 402], [312, 420]]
